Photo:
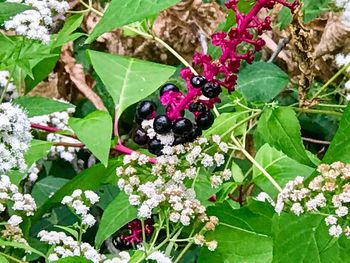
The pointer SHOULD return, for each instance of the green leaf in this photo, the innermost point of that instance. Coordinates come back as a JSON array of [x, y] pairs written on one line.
[[3, 259], [16, 244], [95, 131], [280, 128], [8, 10], [305, 239], [224, 124], [203, 187], [313, 9], [243, 235], [37, 106], [279, 166], [124, 12], [261, 81], [89, 179], [128, 80], [46, 187], [117, 214], [284, 17], [37, 150], [237, 173], [70, 25], [339, 150], [74, 259], [69, 230]]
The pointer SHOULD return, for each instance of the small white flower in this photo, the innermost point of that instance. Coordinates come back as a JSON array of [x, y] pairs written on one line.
[[15, 220], [342, 211], [88, 220], [330, 220], [91, 196], [159, 257], [297, 209], [335, 231], [212, 245]]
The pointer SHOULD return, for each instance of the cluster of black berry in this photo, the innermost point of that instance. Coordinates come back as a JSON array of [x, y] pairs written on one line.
[[182, 129]]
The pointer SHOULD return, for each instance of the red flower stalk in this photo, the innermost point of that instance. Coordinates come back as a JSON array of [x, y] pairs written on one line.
[[224, 70], [135, 227]]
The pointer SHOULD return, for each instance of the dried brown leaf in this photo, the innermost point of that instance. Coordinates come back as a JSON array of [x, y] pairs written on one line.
[[77, 76]]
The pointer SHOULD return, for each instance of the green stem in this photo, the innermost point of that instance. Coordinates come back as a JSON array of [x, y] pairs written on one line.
[[331, 105], [316, 111], [183, 252], [254, 162], [335, 76]]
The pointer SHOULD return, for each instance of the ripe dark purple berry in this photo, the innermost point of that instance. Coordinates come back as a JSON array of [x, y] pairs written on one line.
[[196, 132], [196, 106], [168, 87], [140, 137], [198, 81], [211, 90], [155, 147], [182, 127], [205, 120], [162, 124], [145, 109]]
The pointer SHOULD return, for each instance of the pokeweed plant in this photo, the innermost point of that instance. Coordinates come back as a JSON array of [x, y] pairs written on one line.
[[219, 171]]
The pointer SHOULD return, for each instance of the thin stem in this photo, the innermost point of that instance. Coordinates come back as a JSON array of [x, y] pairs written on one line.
[[143, 231], [331, 105], [315, 141], [183, 252], [340, 71], [316, 111], [254, 162]]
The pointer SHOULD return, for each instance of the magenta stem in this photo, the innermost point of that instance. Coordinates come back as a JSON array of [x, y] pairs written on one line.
[[44, 128], [123, 149]]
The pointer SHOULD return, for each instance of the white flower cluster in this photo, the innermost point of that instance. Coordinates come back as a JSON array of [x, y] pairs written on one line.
[[165, 185], [66, 246], [344, 4], [59, 120], [159, 257], [328, 193], [6, 82], [81, 202], [22, 205], [14, 137], [36, 23], [342, 60]]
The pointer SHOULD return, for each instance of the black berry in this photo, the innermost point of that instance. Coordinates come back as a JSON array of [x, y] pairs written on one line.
[[162, 124], [140, 137], [145, 108], [205, 120], [211, 90], [168, 87], [155, 146], [198, 81], [194, 133], [196, 106], [182, 127]]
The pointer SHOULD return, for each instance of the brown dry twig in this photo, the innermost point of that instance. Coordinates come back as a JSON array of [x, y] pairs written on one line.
[[77, 76]]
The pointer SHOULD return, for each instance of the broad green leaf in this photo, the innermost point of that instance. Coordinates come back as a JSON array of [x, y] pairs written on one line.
[[203, 187], [261, 81], [128, 80], [95, 131], [89, 179], [16, 176], [117, 214], [8, 10], [305, 239], [3, 259], [70, 25], [279, 166], [339, 150], [74, 259], [284, 17], [37, 106], [280, 128], [37, 150], [237, 173], [225, 123], [69, 230], [46, 187], [313, 9], [124, 12], [243, 235]]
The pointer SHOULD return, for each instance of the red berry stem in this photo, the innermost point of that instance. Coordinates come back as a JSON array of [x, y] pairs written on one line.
[[229, 62]]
